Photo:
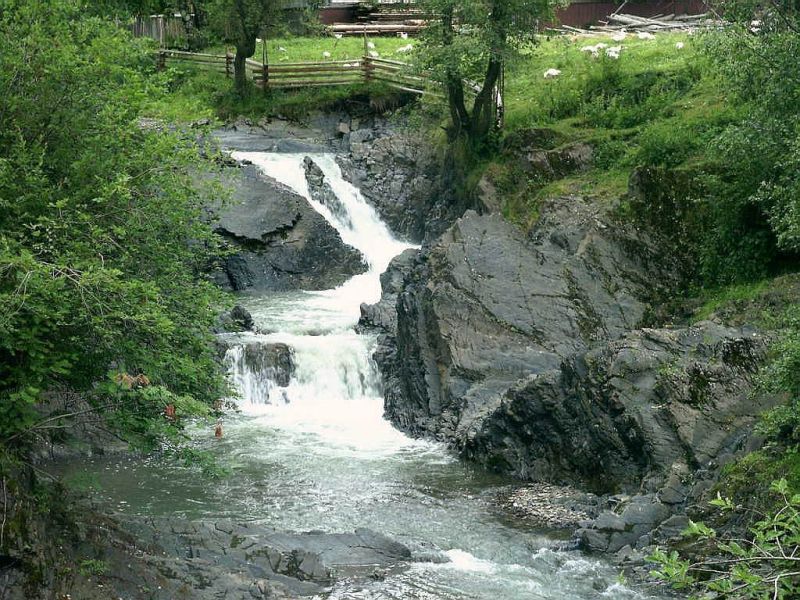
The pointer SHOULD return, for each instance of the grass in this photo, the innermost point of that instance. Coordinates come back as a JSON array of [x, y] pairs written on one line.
[[655, 105], [347, 48]]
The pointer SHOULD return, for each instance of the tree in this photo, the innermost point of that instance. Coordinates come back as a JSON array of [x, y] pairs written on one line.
[[240, 22], [104, 249], [473, 39]]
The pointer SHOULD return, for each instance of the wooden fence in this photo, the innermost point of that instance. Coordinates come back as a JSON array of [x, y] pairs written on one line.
[[295, 75]]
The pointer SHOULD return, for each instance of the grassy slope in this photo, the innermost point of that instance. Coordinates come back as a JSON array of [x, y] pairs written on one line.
[[654, 105]]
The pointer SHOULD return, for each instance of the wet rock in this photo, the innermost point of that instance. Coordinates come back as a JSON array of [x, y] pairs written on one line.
[[274, 361], [486, 306], [383, 314], [399, 173], [321, 191], [530, 356], [320, 557], [235, 320], [282, 242]]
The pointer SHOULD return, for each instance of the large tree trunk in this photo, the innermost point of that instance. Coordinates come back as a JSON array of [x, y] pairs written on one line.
[[244, 50], [454, 85], [484, 111]]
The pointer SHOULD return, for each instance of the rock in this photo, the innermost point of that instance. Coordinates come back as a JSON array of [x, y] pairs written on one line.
[[399, 173], [593, 540], [528, 355], [383, 314], [235, 320], [672, 528], [554, 164], [265, 367], [644, 511], [321, 192], [609, 521], [319, 557], [489, 200], [282, 242], [487, 306]]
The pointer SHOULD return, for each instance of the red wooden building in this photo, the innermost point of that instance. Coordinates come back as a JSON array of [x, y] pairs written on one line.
[[578, 14]]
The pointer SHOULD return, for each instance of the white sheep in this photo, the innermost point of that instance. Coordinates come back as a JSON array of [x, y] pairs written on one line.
[[551, 73], [374, 54], [618, 37], [281, 49], [645, 35], [371, 45], [403, 35], [613, 52], [406, 48], [595, 51], [338, 36], [326, 55], [679, 45]]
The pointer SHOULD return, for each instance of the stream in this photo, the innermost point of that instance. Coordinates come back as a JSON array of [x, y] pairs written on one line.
[[316, 454]]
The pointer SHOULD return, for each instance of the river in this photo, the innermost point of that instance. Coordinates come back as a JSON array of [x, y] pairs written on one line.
[[318, 455]]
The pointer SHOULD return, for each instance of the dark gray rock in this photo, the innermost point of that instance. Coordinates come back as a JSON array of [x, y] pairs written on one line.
[[235, 320], [266, 364], [609, 521], [383, 314], [529, 355], [282, 242], [485, 307], [400, 174], [321, 191], [320, 557]]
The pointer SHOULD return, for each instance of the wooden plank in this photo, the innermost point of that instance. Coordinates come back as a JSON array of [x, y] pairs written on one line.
[[290, 86], [326, 69], [386, 60], [313, 81], [190, 54], [315, 63]]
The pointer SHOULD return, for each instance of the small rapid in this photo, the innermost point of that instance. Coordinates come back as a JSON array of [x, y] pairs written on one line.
[[310, 449]]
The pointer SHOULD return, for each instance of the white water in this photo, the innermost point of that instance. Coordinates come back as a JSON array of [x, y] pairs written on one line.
[[335, 392]]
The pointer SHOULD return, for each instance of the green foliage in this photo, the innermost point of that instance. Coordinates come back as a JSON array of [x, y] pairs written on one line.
[[103, 245], [93, 567], [764, 565], [472, 40]]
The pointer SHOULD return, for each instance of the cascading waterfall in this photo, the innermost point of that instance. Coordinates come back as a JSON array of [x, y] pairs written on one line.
[[334, 390]]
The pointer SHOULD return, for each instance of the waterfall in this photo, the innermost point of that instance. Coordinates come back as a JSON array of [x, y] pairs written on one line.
[[332, 388]]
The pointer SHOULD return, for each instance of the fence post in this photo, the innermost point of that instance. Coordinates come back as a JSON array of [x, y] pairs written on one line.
[[228, 60], [161, 61], [264, 66]]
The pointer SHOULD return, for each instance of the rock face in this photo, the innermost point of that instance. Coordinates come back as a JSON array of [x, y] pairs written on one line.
[[528, 354], [322, 192], [400, 175], [282, 242], [485, 307]]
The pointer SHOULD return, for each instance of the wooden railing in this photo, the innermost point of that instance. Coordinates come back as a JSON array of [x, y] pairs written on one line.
[[296, 75]]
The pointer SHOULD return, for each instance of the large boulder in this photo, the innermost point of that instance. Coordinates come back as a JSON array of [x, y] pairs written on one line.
[[486, 306], [322, 557], [528, 354], [281, 242]]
